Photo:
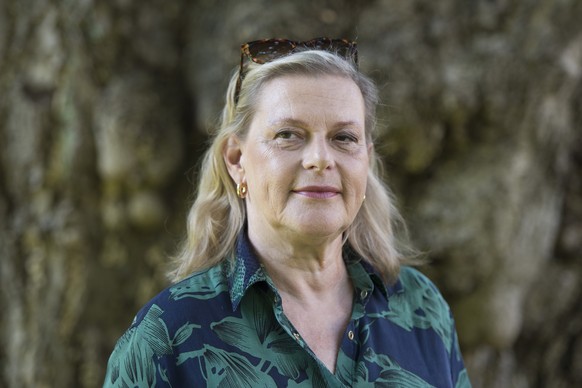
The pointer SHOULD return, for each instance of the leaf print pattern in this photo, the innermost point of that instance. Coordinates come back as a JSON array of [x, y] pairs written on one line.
[[155, 332], [344, 367], [226, 369], [203, 285], [183, 333], [463, 380], [392, 375], [132, 368], [420, 307], [259, 333], [222, 328], [144, 342]]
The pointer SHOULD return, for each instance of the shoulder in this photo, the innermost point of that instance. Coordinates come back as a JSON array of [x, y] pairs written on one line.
[[417, 289], [419, 303], [178, 314], [429, 310], [198, 288], [412, 280]]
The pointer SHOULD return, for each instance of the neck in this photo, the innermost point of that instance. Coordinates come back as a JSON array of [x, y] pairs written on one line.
[[316, 291], [303, 268]]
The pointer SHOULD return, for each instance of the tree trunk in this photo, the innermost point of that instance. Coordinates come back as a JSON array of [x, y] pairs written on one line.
[[103, 110], [95, 131]]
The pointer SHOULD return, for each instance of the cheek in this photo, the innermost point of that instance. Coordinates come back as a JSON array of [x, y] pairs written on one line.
[[358, 174], [270, 174], [355, 186], [360, 186]]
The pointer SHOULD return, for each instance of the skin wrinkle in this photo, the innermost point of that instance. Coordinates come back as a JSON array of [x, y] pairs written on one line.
[[324, 116]]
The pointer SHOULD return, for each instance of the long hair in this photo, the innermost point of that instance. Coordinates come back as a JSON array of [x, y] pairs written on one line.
[[218, 216]]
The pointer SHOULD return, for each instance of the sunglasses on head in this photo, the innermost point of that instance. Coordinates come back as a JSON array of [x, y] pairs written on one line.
[[267, 50]]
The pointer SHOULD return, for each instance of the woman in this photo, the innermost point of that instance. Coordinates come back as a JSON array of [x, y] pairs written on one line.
[[290, 275]]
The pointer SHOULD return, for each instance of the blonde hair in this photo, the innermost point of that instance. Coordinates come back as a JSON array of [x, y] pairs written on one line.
[[218, 216]]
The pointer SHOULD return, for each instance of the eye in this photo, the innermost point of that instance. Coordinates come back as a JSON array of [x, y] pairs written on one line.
[[346, 137], [288, 139], [286, 134]]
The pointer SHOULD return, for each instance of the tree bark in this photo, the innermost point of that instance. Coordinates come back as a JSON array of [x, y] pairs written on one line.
[[95, 127]]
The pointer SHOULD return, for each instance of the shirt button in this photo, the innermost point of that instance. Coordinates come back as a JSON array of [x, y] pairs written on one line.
[[297, 336], [363, 294], [351, 335]]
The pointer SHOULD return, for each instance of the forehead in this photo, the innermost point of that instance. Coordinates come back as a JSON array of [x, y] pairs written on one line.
[[297, 96]]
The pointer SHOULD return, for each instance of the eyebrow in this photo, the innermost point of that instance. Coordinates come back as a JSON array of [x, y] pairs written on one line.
[[302, 124], [288, 121]]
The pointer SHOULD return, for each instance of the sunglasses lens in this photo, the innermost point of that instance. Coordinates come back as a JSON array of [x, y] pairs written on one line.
[[265, 51], [341, 47]]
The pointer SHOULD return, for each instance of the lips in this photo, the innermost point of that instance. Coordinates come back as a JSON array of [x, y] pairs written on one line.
[[318, 192]]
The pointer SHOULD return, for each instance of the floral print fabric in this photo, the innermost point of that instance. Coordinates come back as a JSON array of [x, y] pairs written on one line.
[[225, 327]]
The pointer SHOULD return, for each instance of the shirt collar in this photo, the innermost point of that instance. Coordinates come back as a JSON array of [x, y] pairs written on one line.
[[246, 270], [360, 269]]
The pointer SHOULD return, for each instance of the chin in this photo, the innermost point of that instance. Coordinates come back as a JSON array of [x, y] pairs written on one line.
[[321, 222], [320, 228]]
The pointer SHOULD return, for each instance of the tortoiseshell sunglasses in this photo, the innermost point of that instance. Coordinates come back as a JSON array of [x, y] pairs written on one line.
[[267, 50]]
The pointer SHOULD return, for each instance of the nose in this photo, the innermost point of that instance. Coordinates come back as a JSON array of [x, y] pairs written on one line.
[[318, 154]]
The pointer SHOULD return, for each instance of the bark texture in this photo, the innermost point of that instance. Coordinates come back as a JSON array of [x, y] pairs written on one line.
[[105, 106]]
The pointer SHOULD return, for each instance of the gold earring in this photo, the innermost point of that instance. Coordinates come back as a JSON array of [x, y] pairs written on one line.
[[241, 190]]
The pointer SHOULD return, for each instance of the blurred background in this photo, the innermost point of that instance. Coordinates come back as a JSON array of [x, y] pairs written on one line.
[[105, 108]]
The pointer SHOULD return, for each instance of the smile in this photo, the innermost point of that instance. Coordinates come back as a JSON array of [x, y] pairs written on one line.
[[317, 192]]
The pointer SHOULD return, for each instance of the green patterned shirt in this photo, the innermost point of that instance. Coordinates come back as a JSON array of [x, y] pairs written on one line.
[[225, 326]]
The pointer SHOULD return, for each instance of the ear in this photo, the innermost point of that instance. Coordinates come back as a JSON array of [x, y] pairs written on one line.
[[232, 154]]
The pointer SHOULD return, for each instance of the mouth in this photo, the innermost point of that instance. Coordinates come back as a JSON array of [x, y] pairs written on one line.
[[318, 192]]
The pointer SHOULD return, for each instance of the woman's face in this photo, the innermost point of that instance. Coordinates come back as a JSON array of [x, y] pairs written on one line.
[[305, 157]]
